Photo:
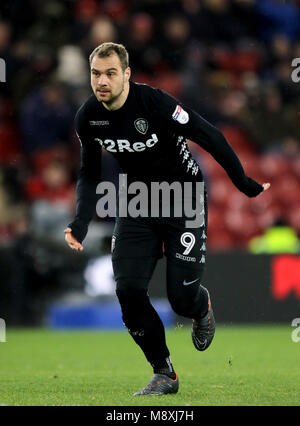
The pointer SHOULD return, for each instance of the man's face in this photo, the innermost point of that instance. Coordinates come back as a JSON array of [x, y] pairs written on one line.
[[108, 78]]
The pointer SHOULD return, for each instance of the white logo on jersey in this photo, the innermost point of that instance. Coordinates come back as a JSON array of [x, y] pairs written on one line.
[[180, 115], [121, 145], [99, 123], [141, 125]]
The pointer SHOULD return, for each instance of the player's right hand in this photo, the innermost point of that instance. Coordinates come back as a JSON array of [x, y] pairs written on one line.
[[266, 186], [252, 188], [71, 240]]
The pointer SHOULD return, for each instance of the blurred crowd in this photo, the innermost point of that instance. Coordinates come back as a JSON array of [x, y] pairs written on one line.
[[228, 60]]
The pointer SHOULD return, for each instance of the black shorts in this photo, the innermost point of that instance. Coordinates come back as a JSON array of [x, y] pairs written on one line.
[[137, 244]]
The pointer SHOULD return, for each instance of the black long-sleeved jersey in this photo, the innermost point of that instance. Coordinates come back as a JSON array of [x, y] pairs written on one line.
[[147, 136]]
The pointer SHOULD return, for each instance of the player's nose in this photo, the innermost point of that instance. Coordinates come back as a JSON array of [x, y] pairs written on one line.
[[102, 81]]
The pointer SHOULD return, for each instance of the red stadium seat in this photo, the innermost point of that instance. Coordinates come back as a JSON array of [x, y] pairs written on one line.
[[237, 62], [42, 158], [273, 165], [211, 167], [170, 82], [219, 192], [238, 201], [216, 221], [9, 144], [222, 240], [295, 166], [262, 202], [293, 217], [286, 190], [250, 163], [237, 138], [243, 224]]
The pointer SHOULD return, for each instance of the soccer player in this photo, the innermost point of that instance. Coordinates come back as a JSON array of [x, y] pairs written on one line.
[[145, 129]]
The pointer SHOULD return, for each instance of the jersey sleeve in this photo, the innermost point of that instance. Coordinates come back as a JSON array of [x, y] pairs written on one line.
[[190, 124], [89, 177]]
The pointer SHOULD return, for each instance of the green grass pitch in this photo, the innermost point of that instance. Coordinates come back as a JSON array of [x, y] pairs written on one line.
[[245, 365]]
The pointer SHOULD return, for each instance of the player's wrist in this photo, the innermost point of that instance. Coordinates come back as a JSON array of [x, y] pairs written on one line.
[[251, 187], [79, 229]]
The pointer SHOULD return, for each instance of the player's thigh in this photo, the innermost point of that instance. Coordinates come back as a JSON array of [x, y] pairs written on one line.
[[185, 247], [135, 250], [185, 239], [185, 250]]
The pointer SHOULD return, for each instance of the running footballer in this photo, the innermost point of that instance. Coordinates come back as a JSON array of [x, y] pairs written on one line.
[[146, 129]]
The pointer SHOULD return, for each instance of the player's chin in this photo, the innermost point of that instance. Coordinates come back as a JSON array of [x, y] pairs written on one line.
[[103, 95]]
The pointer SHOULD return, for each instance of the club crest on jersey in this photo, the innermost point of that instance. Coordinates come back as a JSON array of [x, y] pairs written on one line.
[[180, 115], [141, 125]]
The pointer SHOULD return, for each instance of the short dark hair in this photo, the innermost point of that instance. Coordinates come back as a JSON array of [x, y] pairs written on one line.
[[106, 49]]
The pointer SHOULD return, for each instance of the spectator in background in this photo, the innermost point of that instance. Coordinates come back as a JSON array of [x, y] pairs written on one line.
[[192, 9], [175, 41], [33, 63], [5, 54], [279, 238], [270, 124], [73, 73], [102, 30], [277, 67], [51, 197], [5, 40], [218, 23], [84, 14], [281, 49], [46, 118], [118, 12], [71, 68], [10, 152], [13, 208], [277, 17], [142, 44]]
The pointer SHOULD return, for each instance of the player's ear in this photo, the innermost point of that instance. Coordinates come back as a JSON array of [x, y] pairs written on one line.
[[127, 73]]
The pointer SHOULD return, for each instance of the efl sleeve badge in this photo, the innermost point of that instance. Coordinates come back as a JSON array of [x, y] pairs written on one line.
[[180, 115]]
